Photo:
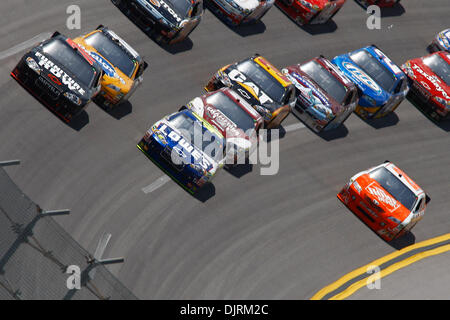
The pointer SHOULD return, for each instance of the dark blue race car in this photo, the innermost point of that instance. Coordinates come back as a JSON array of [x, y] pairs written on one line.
[[381, 83], [186, 148]]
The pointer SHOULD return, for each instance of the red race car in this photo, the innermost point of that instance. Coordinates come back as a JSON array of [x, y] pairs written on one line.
[[385, 199], [234, 117], [380, 3], [310, 11], [325, 96], [429, 78]]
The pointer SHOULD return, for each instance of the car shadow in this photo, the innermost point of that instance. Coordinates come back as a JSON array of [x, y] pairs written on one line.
[[239, 170], [205, 193], [404, 241], [314, 29], [333, 134], [182, 46], [271, 134], [118, 112], [394, 11], [337, 133], [387, 121], [79, 122], [328, 27], [399, 243], [444, 125], [244, 30]]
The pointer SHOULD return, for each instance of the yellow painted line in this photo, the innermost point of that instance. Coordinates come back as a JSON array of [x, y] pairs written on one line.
[[399, 265], [362, 270]]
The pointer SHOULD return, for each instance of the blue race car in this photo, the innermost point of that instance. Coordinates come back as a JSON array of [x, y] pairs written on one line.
[[382, 85], [186, 148]]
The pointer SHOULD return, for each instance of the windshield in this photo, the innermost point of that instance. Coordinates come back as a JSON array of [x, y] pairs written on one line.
[[263, 79], [394, 186], [374, 69], [325, 80], [231, 110], [181, 6], [112, 52], [439, 66], [71, 60], [208, 142]]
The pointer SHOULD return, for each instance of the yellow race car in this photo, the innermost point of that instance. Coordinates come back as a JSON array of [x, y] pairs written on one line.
[[122, 66]]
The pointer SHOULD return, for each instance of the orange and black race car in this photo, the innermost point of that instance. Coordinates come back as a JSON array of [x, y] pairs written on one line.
[[123, 67], [386, 199], [270, 92], [61, 75]]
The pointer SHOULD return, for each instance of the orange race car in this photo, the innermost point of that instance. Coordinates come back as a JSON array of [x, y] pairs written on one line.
[[386, 199]]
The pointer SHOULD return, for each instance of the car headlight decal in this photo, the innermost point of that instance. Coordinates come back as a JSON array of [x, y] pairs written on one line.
[[33, 65], [73, 98]]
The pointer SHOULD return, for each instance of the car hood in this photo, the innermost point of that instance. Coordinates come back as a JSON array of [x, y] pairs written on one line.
[[313, 96], [364, 82], [418, 71], [170, 137], [162, 9], [381, 201], [221, 122], [112, 75], [58, 76]]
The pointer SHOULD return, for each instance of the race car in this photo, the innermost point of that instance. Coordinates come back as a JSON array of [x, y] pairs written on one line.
[[441, 42], [122, 66], [325, 96], [430, 83], [381, 83], [236, 120], [380, 3], [267, 90], [385, 199], [310, 11], [186, 148], [240, 12], [167, 21], [61, 75]]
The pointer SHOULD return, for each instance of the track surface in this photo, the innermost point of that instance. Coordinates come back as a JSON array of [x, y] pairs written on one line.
[[250, 236]]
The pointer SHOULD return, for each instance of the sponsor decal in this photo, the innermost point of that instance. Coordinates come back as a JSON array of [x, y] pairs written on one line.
[[54, 79], [237, 76], [170, 10], [106, 66], [222, 121], [310, 96], [362, 76], [59, 74], [425, 85], [383, 197], [183, 144], [433, 79]]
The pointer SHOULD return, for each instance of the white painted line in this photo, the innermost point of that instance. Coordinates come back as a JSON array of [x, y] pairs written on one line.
[[156, 185], [24, 45], [293, 127]]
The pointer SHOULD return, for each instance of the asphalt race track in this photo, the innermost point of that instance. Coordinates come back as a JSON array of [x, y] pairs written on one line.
[[247, 236]]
